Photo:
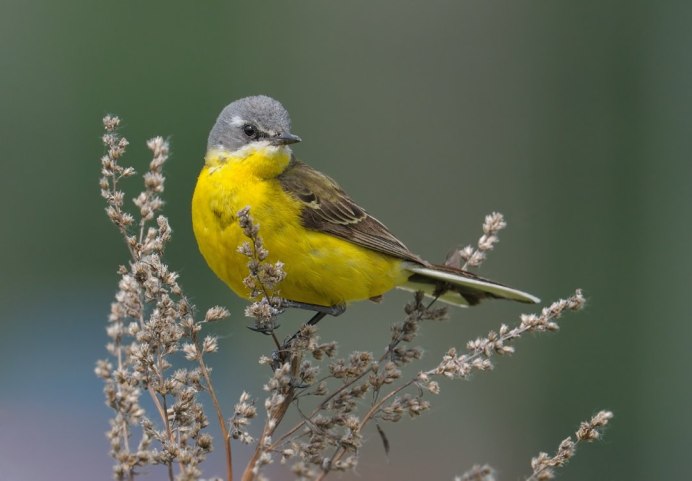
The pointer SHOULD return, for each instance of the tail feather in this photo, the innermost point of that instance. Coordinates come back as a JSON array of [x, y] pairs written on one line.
[[458, 287]]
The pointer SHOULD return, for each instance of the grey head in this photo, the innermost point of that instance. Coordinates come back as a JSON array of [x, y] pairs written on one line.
[[251, 120]]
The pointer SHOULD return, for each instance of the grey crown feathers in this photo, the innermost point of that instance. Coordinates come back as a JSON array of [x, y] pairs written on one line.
[[251, 119]]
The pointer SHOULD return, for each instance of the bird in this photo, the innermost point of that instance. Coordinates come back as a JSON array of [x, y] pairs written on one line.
[[333, 251]]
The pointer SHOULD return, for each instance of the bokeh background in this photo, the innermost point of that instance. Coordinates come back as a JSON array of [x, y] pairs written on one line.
[[572, 118]]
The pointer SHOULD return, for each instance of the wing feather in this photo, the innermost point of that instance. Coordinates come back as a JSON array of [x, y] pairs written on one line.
[[327, 208]]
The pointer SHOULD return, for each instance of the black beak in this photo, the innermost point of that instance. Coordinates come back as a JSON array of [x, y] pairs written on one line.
[[285, 139]]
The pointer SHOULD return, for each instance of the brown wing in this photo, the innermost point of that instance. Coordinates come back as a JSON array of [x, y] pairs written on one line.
[[327, 208]]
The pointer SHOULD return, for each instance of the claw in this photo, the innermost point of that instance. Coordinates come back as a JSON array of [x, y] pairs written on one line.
[[267, 331], [277, 360]]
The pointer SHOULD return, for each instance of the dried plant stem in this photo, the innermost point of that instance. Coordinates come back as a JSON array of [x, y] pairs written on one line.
[[157, 404], [162, 409], [270, 426], [150, 321], [544, 465], [474, 256], [341, 451], [219, 415], [169, 465], [345, 386], [319, 408]]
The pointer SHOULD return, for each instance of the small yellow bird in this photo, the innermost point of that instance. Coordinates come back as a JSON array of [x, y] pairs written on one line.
[[333, 251]]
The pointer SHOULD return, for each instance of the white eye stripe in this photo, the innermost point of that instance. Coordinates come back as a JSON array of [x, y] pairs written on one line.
[[237, 121]]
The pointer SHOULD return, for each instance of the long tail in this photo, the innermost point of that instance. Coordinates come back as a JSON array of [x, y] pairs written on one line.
[[459, 287]]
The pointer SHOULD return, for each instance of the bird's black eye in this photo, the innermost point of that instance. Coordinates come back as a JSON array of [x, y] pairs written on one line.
[[250, 130]]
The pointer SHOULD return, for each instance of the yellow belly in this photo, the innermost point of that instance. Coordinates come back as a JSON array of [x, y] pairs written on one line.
[[320, 268]]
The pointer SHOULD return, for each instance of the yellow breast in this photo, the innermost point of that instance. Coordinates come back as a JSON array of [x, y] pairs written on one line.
[[321, 269]]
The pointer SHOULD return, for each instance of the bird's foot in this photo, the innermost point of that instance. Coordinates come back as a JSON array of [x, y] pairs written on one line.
[[266, 330]]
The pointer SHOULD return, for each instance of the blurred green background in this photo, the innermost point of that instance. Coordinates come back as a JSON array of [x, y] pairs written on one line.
[[571, 118]]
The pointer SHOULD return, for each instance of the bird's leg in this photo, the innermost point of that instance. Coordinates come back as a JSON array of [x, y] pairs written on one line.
[[335, 310], [320, 313]]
